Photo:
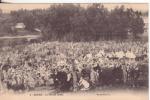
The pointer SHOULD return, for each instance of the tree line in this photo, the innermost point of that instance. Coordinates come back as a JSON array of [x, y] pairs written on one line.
[[72, 22]]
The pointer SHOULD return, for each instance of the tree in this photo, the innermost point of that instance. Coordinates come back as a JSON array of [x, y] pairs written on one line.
[[74, 75], [137, 24], [71, 22], [118, 22], [79, 25], [97, 16]]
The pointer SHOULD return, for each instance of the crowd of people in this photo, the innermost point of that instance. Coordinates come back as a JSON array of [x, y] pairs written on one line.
[[74, 66]]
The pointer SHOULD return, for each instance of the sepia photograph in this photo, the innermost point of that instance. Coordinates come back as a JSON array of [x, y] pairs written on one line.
[[71, 49]]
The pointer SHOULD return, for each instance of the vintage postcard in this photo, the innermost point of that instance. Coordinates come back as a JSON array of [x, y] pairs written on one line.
[[74, 51]]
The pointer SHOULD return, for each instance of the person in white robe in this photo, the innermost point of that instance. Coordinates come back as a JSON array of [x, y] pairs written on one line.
[[85, 85]]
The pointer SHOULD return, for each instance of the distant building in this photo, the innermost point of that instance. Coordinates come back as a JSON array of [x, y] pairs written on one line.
[[20, 26], [20, 32]]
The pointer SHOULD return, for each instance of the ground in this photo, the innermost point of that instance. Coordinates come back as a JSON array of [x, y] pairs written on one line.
[[100, 91]]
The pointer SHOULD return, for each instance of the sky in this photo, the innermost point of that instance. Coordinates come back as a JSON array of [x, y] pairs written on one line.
[[9, 7]]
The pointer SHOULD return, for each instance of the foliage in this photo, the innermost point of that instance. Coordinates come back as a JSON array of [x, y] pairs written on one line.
[[71, 22]]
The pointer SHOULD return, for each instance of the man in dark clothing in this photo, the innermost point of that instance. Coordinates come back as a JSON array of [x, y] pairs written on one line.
[[54, 76], [85, 73], [117, 72], [62, 78], [134, 75], [99, 70]]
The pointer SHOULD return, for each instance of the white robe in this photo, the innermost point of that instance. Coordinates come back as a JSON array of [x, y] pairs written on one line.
[[84, 83]]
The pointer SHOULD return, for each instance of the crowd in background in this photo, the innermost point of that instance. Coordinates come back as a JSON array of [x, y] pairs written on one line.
[[68, 66]]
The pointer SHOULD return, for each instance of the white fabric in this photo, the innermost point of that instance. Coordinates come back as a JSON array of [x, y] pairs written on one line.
[[120, 54], [100, 54], [85, 84], [68, 77], [130, 55]]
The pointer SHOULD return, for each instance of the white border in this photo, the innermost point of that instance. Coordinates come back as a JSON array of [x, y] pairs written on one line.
[[87, 1], [76, 1]]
